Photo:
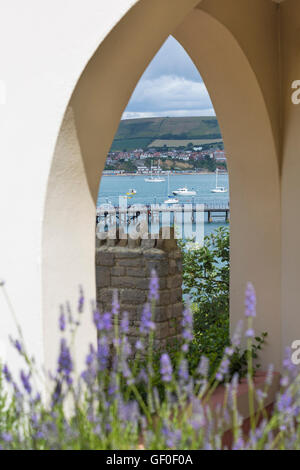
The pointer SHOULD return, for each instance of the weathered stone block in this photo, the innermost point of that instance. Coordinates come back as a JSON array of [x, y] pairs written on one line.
[[175, 310], [131, 282], [103, 276], [164, 298], [125, 252], [132, 296], [118, 271], [155, 254], [105, 295], [131, 262], [174, 281], [176, 295], [161, 269], [133, 243], [162, 331], [136, 272], [170, 244], [148, 243], [103, 258]]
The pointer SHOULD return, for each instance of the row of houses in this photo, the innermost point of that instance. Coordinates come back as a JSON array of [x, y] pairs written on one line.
[[193, 154]]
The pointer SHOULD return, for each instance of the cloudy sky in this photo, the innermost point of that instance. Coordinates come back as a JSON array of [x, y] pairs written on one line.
[[170, 86]]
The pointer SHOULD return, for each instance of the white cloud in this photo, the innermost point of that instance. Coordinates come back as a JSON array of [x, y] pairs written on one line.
[[171, 86], [170, 95], [169, 113]]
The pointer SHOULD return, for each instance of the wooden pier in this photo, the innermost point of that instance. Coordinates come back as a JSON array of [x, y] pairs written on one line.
[[131, 213]]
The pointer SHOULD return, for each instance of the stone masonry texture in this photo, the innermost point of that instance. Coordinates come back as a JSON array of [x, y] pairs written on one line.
[[126, 268]]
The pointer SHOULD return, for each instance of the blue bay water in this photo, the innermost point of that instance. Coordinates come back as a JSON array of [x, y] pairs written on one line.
[[111, 187]]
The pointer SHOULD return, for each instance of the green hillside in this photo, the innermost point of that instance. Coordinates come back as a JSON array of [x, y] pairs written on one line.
[[133, 133]]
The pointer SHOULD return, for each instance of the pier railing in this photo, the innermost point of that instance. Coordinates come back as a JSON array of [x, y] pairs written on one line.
[[132, 213]]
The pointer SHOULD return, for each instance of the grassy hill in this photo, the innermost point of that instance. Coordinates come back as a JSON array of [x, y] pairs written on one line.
[[135, 133]]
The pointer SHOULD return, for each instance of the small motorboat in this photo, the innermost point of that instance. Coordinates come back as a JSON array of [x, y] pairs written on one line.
[[171, 200], [131, 192], [184, 192]]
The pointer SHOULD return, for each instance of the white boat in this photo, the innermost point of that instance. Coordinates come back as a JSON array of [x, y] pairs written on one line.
[[218, 189], [171, 199], [154, 178], [184, 192]]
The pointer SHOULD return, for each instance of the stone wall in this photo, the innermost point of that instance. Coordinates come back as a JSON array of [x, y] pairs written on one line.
[[126, 266]]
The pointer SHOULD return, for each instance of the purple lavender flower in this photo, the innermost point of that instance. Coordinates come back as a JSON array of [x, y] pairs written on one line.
[[146, 320], [65, 364], [91, 356], [62, 321], [250, 333], [166, 368], [261, 395], [239, 444], [284, 403], [103, 353], [97, 318], [183, 371], [172, 438], [236, 339], [7, 374], [80, 300], [203, 366], [153, 287], [112, 388], [284, 381], [126, 347], [125, 323], [142, 377], [269, 376], [26, 381], [129, 412], [287, 362], [107, 322], [139, 345], [6, 437], [223, 369], [16, 344], [250, 301], [229, 351], [127, 374], [187, 324], [115, 304]]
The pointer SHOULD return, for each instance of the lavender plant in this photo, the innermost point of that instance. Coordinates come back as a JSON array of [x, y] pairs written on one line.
[[103, 408]]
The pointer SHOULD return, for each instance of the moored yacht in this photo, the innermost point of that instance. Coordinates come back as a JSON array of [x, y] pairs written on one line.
[[218, 189], [155, 178], [171, 199], [184, 192]]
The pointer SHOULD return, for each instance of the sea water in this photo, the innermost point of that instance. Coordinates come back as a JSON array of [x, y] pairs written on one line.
[[112, 187]]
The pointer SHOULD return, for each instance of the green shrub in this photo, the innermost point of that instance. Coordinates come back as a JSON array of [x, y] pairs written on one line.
[[206, 272]]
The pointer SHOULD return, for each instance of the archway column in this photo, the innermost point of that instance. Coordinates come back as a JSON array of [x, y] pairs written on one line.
[[290, 307], [247, 130]]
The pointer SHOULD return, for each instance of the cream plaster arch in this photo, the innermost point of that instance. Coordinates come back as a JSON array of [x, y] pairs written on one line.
[[91, 120]]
